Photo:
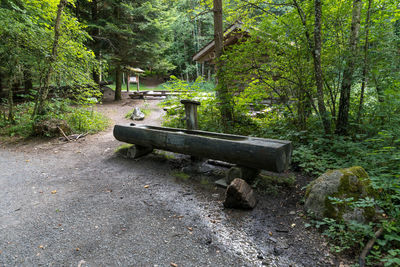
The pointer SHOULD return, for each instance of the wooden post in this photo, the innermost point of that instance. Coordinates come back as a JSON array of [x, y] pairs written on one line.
[[127, 81], [137, 82], [191, 118], [191, 113]]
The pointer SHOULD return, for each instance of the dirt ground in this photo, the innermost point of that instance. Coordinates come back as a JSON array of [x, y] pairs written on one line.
[[82, 204]]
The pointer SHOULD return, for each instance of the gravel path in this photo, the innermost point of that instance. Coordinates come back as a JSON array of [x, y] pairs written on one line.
[[80, 204]]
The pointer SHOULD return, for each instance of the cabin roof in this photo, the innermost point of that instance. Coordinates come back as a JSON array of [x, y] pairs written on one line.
[[231, 36]]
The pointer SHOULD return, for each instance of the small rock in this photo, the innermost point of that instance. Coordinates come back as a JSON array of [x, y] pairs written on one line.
[[239, 195], [273, 239], [278, 251], [137, 114]]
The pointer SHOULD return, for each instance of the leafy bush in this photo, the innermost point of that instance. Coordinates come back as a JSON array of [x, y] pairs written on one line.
[[83, 120], [80, 119]]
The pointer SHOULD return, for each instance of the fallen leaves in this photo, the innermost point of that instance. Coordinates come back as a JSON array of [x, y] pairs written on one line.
[[41, 247], [54, 192], [146, 186], [174, 264]]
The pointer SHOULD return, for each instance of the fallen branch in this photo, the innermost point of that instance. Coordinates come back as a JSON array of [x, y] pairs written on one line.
[[61, 131], [73, 137], [369, 246]]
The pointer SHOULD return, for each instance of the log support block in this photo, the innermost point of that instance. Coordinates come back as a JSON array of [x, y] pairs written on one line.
[[136, 151], [241, 172]]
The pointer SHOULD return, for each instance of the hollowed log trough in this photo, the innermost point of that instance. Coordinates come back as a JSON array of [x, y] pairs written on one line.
[[257, 153]]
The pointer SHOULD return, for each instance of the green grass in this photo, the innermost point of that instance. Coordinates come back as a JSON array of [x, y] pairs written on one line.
[[123, 148], [180, 175]]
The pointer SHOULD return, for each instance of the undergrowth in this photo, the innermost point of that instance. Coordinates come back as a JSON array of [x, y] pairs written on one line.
[[373, 144], [80, 119]]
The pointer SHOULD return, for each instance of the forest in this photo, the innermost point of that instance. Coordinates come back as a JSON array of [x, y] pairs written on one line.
[[324, 74]]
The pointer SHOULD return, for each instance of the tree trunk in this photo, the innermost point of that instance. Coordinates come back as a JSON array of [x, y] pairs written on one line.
[[128, 77], [315, 51], [344, 104], [365, 65], [301, 108], [1, 83], [118, 82], [318, 68], [10, 102], [94, 33], [27, 81], [222, 89], [44, 91]]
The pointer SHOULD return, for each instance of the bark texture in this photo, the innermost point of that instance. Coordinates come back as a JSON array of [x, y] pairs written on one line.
[[315, 50], [344, 104], [44, 91], [118, 82], [222, 89], [318, 68], [365, 65]]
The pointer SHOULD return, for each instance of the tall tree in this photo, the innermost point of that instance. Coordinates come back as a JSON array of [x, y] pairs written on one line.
[[347, 81], [317, 66], [365, 63], [222, 89], [44, 91], [315, 49]]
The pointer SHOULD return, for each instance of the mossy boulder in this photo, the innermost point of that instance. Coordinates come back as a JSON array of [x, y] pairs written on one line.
[[344, 184]]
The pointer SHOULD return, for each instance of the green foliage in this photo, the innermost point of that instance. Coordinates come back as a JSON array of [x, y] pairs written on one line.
[[199, 90], [79, 118], [23, 126], [83, 120], [273, 185], [347, 236]]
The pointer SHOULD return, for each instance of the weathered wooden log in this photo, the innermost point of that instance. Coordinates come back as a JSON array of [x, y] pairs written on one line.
[[256, 153]]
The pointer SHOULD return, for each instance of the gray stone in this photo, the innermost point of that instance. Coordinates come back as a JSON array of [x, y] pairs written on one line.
[[343, 184], [239, 195], [137, 114]]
